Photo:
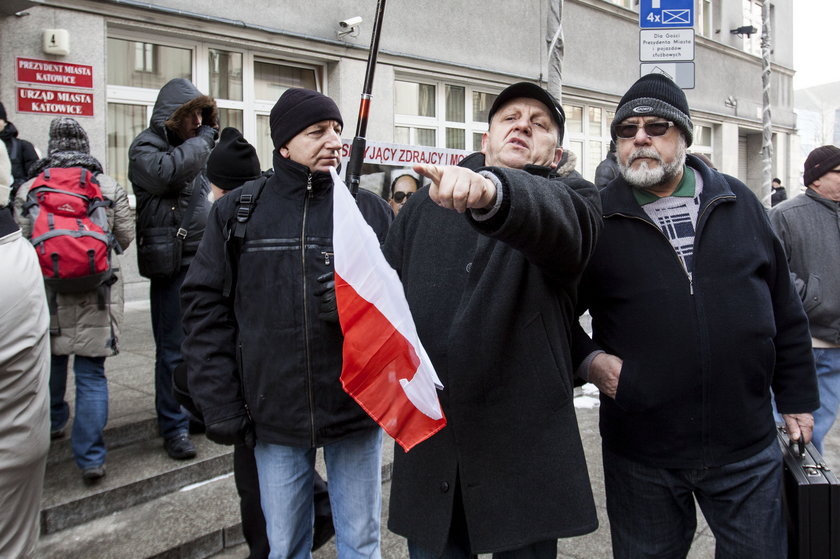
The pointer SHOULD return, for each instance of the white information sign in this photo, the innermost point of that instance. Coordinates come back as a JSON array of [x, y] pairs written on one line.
[[660, 45]]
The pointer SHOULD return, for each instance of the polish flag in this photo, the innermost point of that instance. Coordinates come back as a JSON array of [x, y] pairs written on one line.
[[386, 370]]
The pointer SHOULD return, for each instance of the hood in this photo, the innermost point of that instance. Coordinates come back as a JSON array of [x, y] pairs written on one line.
[[176, 99], [9, 131]]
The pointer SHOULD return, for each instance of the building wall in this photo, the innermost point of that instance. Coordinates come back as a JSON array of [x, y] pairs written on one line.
[[485, 45]]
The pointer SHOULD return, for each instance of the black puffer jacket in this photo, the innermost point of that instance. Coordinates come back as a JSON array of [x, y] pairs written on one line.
[[289, 359], [164, 169], [22, 155]]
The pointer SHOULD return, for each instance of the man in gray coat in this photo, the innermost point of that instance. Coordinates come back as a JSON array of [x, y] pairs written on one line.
[[490, 255], [807, 226]]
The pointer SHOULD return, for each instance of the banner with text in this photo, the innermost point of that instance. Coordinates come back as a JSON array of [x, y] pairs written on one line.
[[45, 101], [380, 153], [31, 70]]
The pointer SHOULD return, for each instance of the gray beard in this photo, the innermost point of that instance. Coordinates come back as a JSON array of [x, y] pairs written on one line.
[[646, 178]]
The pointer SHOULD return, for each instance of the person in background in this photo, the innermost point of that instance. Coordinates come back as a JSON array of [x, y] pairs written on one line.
[[779, 193], [24, 383], [402, 188], [808, 228], [166, 167], [694, 319], [607, 169], [82, 327], [21, 153]]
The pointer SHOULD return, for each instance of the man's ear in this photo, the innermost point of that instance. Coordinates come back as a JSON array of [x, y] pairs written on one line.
[[284, 151], [558, 155], [484, 140]]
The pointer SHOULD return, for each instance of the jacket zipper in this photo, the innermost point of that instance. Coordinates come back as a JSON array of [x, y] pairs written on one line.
[[309, 390], [673, 252]]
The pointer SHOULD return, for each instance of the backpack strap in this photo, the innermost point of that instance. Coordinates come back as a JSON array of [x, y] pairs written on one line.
[[235, 236]]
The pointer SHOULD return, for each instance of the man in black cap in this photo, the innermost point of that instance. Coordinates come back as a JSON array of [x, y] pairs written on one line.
[[694, 320], [22, 154], [807, 226], [264, 363], [490, 254]]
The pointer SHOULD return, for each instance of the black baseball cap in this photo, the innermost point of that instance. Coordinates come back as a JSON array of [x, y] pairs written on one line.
[[531, 91]]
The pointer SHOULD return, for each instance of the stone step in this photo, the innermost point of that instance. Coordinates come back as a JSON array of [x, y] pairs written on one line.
[[135, 474], [193, 522], [118, 434]]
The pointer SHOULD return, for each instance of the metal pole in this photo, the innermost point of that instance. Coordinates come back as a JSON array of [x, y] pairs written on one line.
[[357, 152], [766, 120]]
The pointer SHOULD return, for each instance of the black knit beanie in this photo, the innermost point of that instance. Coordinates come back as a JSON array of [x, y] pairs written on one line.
[[296, 109], [233, 161], [2, 112], [819, 162], [67, 135], [656, 95]]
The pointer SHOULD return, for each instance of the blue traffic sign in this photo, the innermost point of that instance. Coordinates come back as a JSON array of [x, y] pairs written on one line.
[[666, 13]]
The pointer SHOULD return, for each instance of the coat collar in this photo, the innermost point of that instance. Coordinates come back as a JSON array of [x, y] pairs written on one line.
[[475, 161], [617, 198], [293, 178]]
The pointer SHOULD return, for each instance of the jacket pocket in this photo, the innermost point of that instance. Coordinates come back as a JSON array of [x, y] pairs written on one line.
[[813, 294], [159, 252], [553, 383]]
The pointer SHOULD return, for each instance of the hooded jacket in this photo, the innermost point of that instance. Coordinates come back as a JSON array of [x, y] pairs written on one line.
[[22, 154], [699, 355], [164, 169], [493, 302], [266, 352]]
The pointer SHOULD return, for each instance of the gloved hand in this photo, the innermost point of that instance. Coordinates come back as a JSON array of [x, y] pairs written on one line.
[[209, 133], [236, 430], [327, 308]]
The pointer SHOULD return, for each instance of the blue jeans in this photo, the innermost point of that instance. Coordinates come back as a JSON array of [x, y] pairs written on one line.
[[91, 406], [828, 378], [354, 474], [652, 514], [165, 301]]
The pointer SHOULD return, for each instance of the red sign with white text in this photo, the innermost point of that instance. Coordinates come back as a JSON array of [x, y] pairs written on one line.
[[47, 101], [32, 70]]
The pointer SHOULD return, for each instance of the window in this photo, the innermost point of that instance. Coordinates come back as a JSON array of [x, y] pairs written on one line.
[[703, 18], [148, 65], [587, 135], [244, 85], [702, 142], [625, 3], [435, 114], [752, 17]]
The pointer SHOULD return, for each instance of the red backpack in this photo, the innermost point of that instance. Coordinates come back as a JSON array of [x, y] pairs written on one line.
[[70, 230]]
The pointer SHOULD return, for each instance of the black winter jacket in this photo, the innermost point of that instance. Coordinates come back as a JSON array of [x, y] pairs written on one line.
[[699, 357], [22, 155], [267, 349], [493, 302], [164, 170]]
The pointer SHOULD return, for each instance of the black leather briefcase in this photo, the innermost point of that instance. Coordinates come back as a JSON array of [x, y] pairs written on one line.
[[812, 502]]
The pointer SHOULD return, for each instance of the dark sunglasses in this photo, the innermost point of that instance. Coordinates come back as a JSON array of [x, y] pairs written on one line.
[[652, 129], [400, 196]]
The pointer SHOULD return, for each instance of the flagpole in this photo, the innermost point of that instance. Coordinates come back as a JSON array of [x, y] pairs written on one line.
[[357, 152]]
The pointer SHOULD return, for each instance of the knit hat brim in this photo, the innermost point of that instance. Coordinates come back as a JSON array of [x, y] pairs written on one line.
[[819, 162], [655, 95]]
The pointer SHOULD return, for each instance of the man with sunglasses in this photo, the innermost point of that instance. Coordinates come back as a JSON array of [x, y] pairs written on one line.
[[401, 190], [490, 255], [694, 320], [807, 226]]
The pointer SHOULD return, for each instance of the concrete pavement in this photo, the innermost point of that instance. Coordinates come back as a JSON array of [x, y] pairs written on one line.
[[132, 398]]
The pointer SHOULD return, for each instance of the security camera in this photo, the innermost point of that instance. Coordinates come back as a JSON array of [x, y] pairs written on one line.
[[350, 22]]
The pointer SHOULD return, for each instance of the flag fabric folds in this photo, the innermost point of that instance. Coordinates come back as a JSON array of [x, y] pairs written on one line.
[[385, 369]]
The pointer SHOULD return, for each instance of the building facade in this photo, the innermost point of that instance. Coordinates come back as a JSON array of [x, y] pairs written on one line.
[[440, 66]]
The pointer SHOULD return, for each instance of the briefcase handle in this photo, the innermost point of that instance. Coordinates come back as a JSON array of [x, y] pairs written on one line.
[[801, 444]]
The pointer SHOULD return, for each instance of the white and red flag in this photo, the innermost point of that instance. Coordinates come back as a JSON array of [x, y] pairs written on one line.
[[386, 370]]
